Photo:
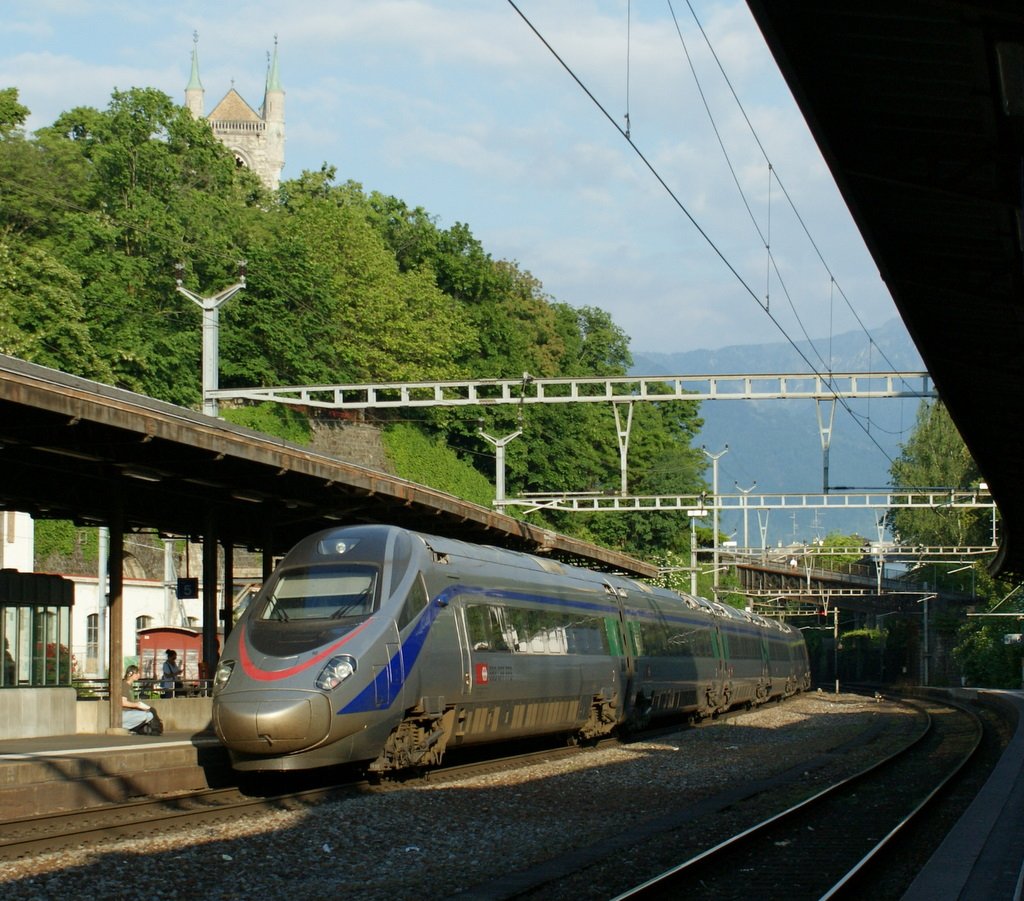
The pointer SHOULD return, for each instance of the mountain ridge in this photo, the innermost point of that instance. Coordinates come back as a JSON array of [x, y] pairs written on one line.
[[775, 445]]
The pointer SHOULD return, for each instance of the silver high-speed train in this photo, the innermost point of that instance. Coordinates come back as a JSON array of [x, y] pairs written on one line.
[[382, 645]]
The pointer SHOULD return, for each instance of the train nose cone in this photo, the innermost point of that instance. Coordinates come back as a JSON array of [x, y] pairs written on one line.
[[271, 722]]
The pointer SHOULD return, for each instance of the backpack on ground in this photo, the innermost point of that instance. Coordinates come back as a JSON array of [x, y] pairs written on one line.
[[152, 726]]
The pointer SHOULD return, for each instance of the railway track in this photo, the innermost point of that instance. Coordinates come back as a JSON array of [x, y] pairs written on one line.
[[51, 832], [30, 835], [831, 844], [46, 832], [526, 827]]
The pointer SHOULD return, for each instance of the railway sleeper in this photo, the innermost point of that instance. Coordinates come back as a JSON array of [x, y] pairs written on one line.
[[418, 741]]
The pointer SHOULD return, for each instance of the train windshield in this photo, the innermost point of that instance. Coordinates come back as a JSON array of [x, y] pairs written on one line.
[[325, 592]]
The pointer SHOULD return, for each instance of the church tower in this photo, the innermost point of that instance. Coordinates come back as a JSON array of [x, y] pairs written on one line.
[[272, 113], [255, 138]]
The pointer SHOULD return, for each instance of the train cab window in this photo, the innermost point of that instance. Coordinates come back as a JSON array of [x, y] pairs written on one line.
[[327, 592], [415, 601]]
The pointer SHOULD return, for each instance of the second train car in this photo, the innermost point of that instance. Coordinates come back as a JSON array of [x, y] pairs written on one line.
[[387, 646]]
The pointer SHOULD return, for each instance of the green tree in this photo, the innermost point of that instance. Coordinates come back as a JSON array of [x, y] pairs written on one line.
[[342, 286], [935, 458], [12, 113], [838, 540], [329, 302], [145, 185], [41, 319], [985, 659]]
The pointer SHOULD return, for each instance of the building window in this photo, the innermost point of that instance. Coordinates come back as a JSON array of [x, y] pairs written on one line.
[[92, 636], [143, 622]]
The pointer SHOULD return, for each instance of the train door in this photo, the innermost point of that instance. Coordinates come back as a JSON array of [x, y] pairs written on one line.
[[622, 645], [721, 662], [389, 674], [464, 655]]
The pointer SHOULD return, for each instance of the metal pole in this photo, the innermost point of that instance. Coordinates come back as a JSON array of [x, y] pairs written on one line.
[[835, 643], [623, 437], [211, 651], [924, 667], [714, 518], [745, 492], [693, 555], [762, 526], [101, 601], [115, 575], [228, 612], [825, 430], [499, 463], [171, 604], [211, 332]]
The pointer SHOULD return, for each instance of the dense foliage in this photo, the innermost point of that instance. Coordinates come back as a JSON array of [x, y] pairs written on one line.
[[936, 457], [342, 286]]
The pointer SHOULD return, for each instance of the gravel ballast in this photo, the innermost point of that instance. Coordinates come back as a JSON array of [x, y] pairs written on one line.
[[440, 837]]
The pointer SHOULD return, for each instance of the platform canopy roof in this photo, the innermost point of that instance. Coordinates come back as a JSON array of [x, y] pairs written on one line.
[[75, 449], [918, 108]]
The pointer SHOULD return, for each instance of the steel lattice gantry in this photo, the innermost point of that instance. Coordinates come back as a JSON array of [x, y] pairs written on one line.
[[618, 389]]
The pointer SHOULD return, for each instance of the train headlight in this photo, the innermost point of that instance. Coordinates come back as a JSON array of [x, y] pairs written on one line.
[[337, 670], [223, 673]]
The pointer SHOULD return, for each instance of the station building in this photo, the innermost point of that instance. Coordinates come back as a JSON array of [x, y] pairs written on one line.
[[55, 632]]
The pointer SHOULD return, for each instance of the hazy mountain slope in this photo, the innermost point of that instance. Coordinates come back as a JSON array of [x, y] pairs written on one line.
[[777, 443]]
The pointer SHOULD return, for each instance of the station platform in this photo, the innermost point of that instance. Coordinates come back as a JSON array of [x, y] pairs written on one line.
[[46, 775], [982, 857]]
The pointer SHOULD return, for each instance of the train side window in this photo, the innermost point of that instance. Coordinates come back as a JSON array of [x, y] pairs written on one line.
[[487, 628], [415, 601]]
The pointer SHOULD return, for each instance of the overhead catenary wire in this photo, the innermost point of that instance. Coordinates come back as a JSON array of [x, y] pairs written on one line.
[[782, 187], [629, 8], [764, 234], [834, 286], [693, 221]]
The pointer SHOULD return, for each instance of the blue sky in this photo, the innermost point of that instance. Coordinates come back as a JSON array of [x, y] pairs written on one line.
[[458, 107]]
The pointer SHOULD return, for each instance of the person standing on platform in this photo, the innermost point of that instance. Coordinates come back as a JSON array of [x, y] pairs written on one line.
[[171, 679]]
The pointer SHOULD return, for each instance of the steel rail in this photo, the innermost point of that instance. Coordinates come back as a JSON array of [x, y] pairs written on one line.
[[29, 835], [845, 884], [659, 885]]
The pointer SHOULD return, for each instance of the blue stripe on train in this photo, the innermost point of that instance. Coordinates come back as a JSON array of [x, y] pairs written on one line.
[[381, 693], [383, 690]]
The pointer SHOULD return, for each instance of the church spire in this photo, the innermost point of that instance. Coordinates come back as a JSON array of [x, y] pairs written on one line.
[[194, 84], [273, 76], [194, 89]]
